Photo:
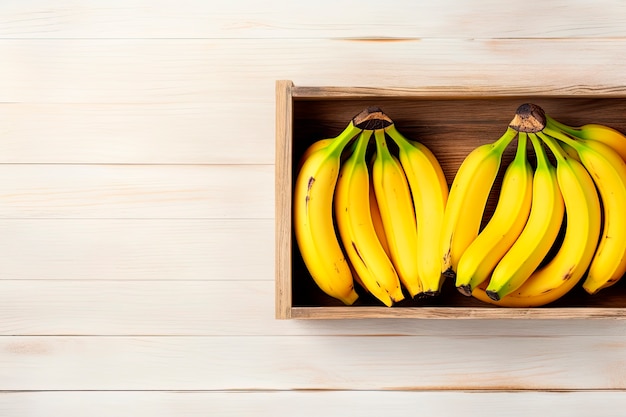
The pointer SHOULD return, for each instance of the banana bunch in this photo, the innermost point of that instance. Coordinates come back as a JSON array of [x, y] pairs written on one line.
[[367, 209], [558, 219]]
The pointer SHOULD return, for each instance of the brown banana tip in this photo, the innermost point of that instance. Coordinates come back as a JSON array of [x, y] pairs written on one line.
[[466, 290], [529, 118], [493, 295], [372, 118], [433, 293], [449, 274]]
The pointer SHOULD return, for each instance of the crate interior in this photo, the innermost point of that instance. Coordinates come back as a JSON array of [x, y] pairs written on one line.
[[451, 128]]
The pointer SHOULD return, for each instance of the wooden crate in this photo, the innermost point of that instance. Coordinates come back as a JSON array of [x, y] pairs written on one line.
[[451, 122]]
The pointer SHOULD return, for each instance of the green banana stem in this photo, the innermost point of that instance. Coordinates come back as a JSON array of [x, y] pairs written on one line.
[[397, 137], [362, 143], [564, 137], [503, 142], [542, 158], [379, 136], [520, 155], [555, 124], [337, 146], [554, 146]]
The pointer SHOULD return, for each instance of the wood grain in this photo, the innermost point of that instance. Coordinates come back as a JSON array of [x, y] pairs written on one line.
[[311, 363], [283, 186], [284, 19], [136, 191], [199, 71], [236, 306], [137, 249], [168, 132], [312, 403]]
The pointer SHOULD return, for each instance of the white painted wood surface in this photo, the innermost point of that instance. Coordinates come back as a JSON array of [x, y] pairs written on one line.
[[136, 210]]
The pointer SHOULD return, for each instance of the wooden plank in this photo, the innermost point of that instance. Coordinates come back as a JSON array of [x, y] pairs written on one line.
[[173, 132], [238, 306], [115, 71], [313, 404], [136, 191], [284, 176], [137, 249], [311, 363], [284, 19]]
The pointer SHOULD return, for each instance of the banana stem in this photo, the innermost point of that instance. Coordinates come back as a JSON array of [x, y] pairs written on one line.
[[340, 142], [379, 136], [542, 158], [362, 143], [396, 136], [503, 142], [554, 146], [529, 118], [521, 146], [372, 118], [550, 122], [563, 137]]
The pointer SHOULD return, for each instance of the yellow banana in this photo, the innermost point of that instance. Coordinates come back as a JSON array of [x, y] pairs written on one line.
[[429, 190], [377, 219], [503, 228], [438, 176], [397, 213], [467, 199], [354, 221], [583, 222], [313, 219], [608, 171], [538, 235], [318, 144], [593, 131]]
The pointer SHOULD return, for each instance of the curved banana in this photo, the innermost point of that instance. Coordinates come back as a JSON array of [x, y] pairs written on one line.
[[356, 229], [397, 213], [583, 223], [467, 199], [438, 176], [318, 144], [538, 235], [313, 219], [429, 190], [593, 131], [503, 228], [608, 171], [377, 219]]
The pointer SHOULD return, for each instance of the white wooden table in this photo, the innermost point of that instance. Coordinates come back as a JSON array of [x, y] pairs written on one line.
[[137, 210]]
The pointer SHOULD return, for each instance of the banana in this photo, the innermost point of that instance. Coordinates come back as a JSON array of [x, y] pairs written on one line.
[[377, 219], [510, 215], [318, 144], [356, 229], [397, 213], [429, 190], [538, 235], [438, 176], [583, 223], [608, 171], [313, 219], [467, 199], [593, 131]]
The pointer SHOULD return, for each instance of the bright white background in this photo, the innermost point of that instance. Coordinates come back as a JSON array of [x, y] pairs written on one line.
[[137, 210]]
